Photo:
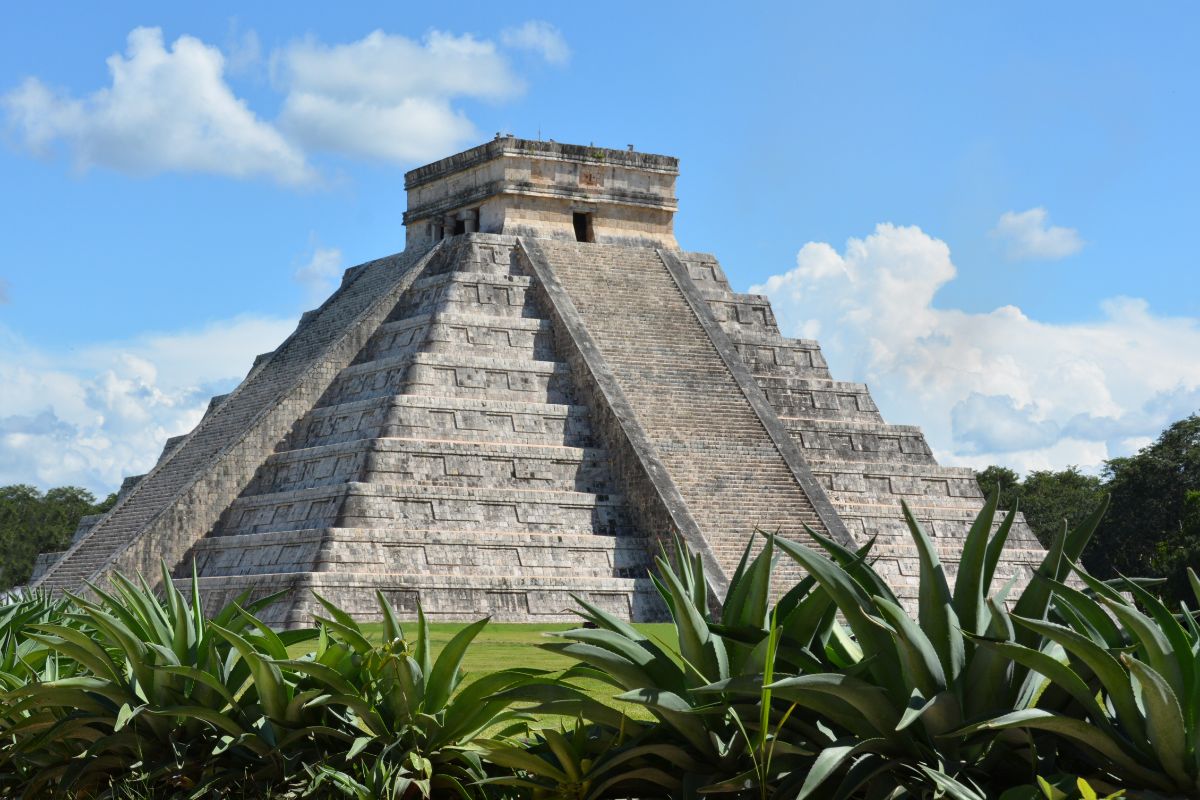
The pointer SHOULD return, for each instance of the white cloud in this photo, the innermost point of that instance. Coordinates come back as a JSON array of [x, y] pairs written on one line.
[[243, 50], [165, 110], [384, 97], [1027, 235], [92, 416], [540, 37], [320, 274], [388, 97], [994, 387]]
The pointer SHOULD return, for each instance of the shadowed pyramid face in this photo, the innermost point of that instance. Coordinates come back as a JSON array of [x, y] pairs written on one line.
[[515, 409], [547, 190]]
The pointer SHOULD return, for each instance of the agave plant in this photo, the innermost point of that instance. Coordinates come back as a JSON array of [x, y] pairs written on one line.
[[703, 741], [1133, 675], [410, 716], [156, 691], [23, 659], [894, 692], [586, 762]]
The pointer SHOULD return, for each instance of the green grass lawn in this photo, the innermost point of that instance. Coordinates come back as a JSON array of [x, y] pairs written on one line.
[[504, 645]]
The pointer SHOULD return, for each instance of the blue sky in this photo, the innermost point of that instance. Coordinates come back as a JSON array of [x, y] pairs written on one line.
[[987, 214]]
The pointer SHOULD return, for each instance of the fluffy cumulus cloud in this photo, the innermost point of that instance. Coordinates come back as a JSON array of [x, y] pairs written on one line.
[[539, 37], [996, 387], [166, 109], [94, 415], [388, 97], [384, 97], [1028, 235]]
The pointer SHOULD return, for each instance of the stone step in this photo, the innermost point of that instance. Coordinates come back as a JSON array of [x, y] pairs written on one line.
[[944, 523], [717, 451], [474, 334], [705, 270], [453, 375], [368, 505], [478, 419], [859, 441], [457, 418], [743, 313], [901, 480], [436, 462], [442, 597], [769, 355], [472, 293], [179, 496], [489, 253], [819, 399], [511, 554]]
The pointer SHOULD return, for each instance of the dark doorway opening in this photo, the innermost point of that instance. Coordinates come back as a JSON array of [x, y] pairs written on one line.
[[460, 226], [583, 227]]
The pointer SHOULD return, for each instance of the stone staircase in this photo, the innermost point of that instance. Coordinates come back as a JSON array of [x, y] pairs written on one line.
[[448, 463], [865, 465], [171, 506], [730, 473]]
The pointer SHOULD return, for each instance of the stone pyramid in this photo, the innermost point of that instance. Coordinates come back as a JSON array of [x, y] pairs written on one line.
[[518, 408]]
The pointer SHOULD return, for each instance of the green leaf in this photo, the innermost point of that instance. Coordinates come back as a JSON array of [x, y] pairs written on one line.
[[268, 679], [659, 670], [1059, 673], [1078, 731], [949, 786], [1164, 722], [1154, 643], [856, 566], [830, 760], [995, 548], [918, 657], [423, 652], [677, 713], [750, 588], [1114, 679], [970, 593], [1090, 612], [867, 699], [854, 604], [990, 682], [935, 603], [702, 652], [392, 629], [1035, 598], [444, 677]]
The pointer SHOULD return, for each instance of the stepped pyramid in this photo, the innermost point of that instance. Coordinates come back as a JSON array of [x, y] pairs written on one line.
[[517, 408]]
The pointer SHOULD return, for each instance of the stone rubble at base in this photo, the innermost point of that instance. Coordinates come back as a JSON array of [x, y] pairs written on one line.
[[519, 409]]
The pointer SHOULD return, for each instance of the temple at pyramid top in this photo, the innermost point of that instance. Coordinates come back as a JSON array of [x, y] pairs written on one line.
[[547, 190], [516, 412]]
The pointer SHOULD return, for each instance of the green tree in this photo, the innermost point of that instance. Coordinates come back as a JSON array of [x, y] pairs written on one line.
[[1149, 505], [1046, 497], [32, 522], [1008, 481], [1177, 554], [1049, 497]]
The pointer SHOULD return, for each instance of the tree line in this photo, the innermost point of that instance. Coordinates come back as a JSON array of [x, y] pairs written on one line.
[[32, 522], [1152, 528]]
